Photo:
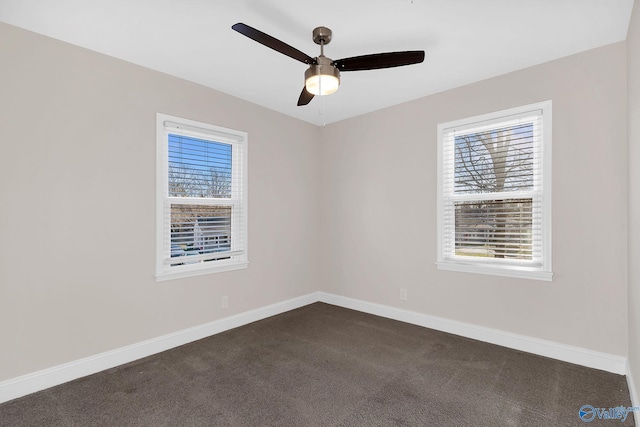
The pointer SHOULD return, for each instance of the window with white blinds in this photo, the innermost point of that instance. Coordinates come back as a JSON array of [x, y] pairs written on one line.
[[201, 200], [494, 193]]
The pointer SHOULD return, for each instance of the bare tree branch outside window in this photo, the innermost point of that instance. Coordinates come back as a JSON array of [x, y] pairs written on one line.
[[199, 169], [498, 161]]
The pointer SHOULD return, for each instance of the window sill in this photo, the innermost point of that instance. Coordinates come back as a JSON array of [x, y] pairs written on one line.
[[199, 270], [505, 271]]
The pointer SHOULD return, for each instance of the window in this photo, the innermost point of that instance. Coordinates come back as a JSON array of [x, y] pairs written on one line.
[[201, 198], [494, 193]]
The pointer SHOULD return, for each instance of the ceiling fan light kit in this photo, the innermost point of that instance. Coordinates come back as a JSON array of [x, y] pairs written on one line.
[[323, 75], [322, 79]]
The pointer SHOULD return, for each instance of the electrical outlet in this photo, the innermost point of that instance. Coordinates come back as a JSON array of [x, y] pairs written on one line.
[[224, 301], [403, 294]]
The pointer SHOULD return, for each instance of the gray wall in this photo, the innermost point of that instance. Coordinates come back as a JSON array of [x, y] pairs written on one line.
[[379, 206], [77, 177], [633, 73]]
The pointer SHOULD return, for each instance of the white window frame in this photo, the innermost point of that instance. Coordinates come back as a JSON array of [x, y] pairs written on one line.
[[238, 259], [539, 269]]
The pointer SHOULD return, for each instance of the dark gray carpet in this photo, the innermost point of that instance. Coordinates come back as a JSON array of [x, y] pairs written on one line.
[[327, 366]]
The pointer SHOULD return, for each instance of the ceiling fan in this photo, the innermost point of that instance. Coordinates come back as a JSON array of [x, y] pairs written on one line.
[[323, 75]]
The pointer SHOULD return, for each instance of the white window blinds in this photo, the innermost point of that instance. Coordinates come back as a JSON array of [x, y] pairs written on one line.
[[201, 198], [493, 192]]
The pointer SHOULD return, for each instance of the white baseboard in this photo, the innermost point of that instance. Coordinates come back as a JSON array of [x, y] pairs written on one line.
[[554, 350], [633, 392], [40, 380]]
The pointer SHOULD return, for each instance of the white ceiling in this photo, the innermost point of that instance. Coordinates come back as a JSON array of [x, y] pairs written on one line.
[[465, 41]]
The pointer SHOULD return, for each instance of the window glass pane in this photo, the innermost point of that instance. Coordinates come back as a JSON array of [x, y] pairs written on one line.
[[199, 168], [494, 229], [199, 229], [495, 160]]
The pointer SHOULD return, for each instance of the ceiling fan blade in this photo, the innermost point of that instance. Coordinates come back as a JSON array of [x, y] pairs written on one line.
[[305, 97], [380, 60], [272, 42]]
